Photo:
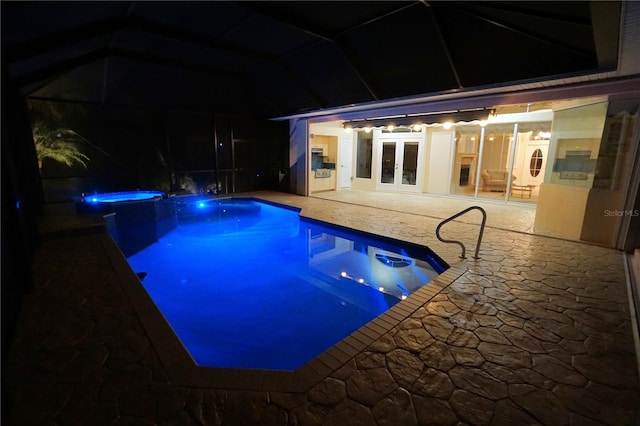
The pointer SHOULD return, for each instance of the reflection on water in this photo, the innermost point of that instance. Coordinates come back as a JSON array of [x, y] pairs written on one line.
[[364, 262]]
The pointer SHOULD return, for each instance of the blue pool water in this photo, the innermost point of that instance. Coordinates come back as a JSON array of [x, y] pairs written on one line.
[[118, 197], [250, 285]]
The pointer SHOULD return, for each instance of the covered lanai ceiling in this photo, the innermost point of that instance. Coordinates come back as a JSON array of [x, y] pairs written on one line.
[[276, 59]]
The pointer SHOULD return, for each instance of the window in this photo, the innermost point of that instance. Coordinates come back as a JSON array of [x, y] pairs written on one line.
[[364, 154], [536, 163]]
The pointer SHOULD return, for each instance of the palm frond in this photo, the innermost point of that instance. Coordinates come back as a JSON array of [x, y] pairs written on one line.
[[58, 144]]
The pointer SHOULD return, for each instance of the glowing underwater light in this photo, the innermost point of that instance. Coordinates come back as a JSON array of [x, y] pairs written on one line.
[[381, 289]]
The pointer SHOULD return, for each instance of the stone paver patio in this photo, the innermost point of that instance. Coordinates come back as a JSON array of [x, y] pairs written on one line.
[[538, 331]]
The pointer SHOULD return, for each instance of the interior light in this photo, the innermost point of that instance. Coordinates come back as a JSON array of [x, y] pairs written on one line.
[[491, 138], [473, 138], [447, 125]]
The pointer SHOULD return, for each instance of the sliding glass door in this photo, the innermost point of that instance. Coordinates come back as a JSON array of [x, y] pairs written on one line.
[[495, 161], [467, 147], [530, 161], [489, 163]]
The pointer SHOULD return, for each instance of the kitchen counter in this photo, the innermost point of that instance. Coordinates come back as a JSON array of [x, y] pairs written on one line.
[[323, 180]]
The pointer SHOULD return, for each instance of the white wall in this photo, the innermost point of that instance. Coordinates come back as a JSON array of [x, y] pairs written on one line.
[[439, 154], [560, 211]]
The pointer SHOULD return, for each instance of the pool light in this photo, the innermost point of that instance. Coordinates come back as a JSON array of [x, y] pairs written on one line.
[[381, 289]]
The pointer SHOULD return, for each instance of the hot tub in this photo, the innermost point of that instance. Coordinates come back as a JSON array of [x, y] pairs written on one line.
[[120, 197], [146, 215]]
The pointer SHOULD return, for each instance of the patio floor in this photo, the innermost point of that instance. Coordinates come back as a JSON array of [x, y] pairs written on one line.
[[536, 331]]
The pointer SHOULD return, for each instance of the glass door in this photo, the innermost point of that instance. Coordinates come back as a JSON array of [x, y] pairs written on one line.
[[467, 148], [388, 163], [409, 165], [532, 150], [495, 158], [398, 165]]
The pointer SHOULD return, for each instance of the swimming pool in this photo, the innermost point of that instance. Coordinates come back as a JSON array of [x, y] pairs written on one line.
[[247, 284]]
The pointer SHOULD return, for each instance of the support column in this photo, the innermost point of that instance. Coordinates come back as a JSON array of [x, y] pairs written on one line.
[[298, 147]]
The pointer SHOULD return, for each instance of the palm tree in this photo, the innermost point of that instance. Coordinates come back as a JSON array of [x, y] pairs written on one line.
[[58, 144]]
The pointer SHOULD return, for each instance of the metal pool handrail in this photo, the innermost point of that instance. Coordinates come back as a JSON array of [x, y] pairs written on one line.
[[484, 220]]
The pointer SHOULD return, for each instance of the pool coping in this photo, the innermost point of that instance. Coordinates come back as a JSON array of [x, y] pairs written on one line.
[[183, 370]]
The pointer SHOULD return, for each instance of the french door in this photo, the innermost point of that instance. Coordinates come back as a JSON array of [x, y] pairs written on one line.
[[398, 164]]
